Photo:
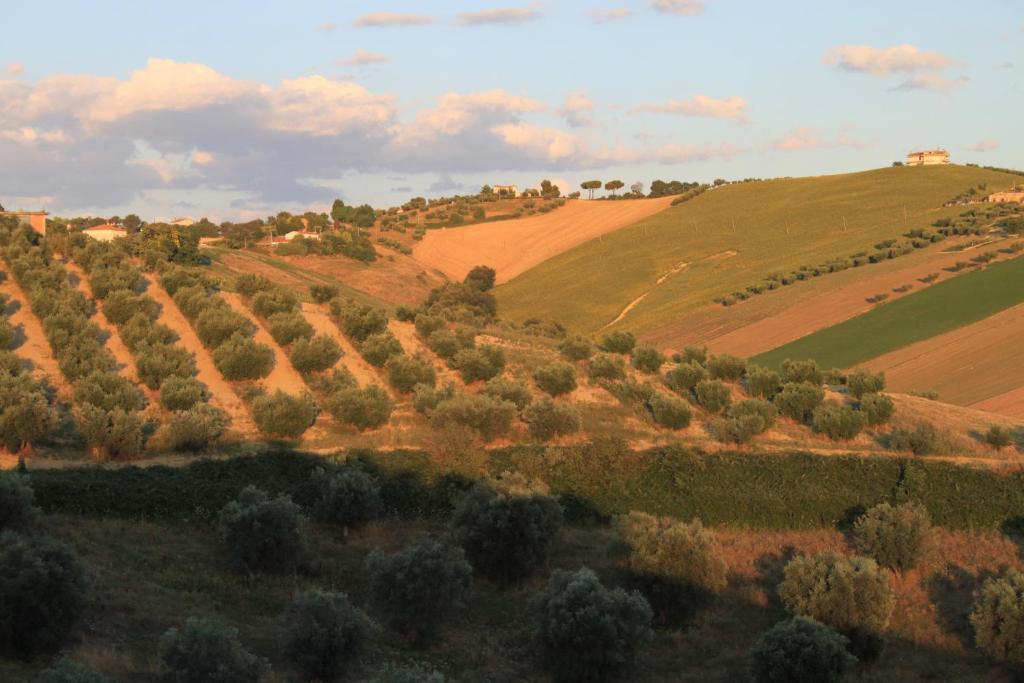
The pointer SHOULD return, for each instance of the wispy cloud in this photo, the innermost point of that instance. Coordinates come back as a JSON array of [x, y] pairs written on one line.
[[365, 58], [392, 19], [984, 146], [734, 108], [501, 15], [682, 7], [904, 58], [931, 82], [806, 138], [14, 69], [578, 109], [603, 16], [327, 27]]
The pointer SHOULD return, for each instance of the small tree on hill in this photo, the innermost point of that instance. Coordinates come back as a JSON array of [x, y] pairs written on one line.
[[576, 348], [481, 277], [316, 354], [762, 382], [590, 186], [555, 378], [861, 382], [801, 649], [838, 422], [712, 395], [547, 418], [685, 377], [205, 650], [648, 359], [196, 428], [998, 437], [367, 408], [263, 534], [282, 415], [877, 408], [614, 186], [895, 536], [798, 401], [727, 368], [805, 371], [669, 411], [350, 498], [182, 393], [998, 617], [619, 342], [324, 634], [241, 358]]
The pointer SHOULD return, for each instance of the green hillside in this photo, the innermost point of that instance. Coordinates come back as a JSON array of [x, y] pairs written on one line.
[[940, 308], [773, 225]]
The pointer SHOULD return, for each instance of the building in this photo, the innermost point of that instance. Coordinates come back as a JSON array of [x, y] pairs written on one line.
[[506, 190], [930, 157], [277, 240], [105, 232], [1015, 196], [33, 219]]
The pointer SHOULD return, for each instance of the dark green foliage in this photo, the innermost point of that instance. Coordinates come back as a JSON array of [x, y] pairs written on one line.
[[726, 367], [648, 359], [459, 301], [277, 300], [182, 393], [685, 377], [670, 411], [407, 674], [289, 327], [547, 418], [921, 439], [427, 324], [26, 415], [843, 592], [490, 417], [481, 277], [140, 331], [282, 415], [877, 408], [121, 305], [323, 634], [838, 422], [67, 671], [694, 354], [315, 354], [206, 651], [619, 342], [415, 588], [587, 632], [895, 536], [349, 498], [446, 343], [747, 419], [762, 382], [263, 534], [241, 358], [379, 347], [425, 397], [480, 363], [321, 294], [510, 390], [507, 537], [249, 285], [42, 595], [405, 372], [998, 437], [159, 362], [801, 650], [196, 428], [802, 371], [712, 395], [798, 401], [606, 366], [861, 382], [555, 378], [16, 508], [116, 432], [367, 408], [998, 617], [576, 348], [359, 322]]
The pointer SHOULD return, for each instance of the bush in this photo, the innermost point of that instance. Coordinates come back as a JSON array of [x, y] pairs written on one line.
[[196, 428], [42, 595], [648, 359], [555, 378], [241, 358], [271, 301], [763, 383], [359, 322], [619, 342], [712, 395], [547, 418], [417, 586], [506, 537], [802, 372], [205, 650], [315, 354], [760, 414], [323, 634], [587, 632], [838, 422], [676, 565], [426, 398], [510, 390], [726, 367], [160, 362], [669, 411], [216, 325], [282, 415], [685, 377], [998, 617], [606, 366], [405, 372], [67, 671], [350, 499], [801, 649], [16, 508], [481, 277], [109, 390], [861, 382], [182, 393], [576, 348], [117, 432], [379, 347], [263, 534], [877, 408], [481, 363], [998, 437], [122, 305], [490, 417], [798, 401], [921, 439], [367, 408], [895, 536], [843, 592], [321, 294], [427, 324], [288, 327], [249, 285]]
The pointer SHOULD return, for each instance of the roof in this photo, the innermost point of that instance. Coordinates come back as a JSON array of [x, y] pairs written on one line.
[[106, 227], [929, 151]]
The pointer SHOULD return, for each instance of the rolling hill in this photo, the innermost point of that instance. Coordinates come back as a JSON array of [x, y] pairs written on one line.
[[674, 263]]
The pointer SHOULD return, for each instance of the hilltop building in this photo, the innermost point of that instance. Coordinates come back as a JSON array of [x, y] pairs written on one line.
[[105, 232], [1014, 196], [33, 219], [930, 157], [182, 222], [506, 190]]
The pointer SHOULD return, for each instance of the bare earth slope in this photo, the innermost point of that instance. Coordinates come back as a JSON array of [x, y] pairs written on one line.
[[513, 247]]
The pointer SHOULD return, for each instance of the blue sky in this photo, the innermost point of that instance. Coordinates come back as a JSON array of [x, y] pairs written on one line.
[[237, 109]]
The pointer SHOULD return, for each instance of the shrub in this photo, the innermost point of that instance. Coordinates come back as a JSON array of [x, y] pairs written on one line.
[[669, 411], [587, 632], [405, 372], [555, 378], [877, 408], [510, 390], [42, 595], [843, 592], [417, 586], [445, 343], [619, 342], [726, 367], [606, 366], [359, 322], [323, 634], [263, 534], [481, 363], [350, 498], [427, 324], [685, 377], [998, 437], [316, 354], [282, 415], [367, 408], [798, 401], [676, 565], [802, 372], [838, 422], [694, 354], [182, 393], [205, 650], [895, 536], [576, 348], [16, 508], [921, 439], [425, 397], [648, 359], [117, 432], [159, 362], [506, 537], [321, 294], [196, 428], [481, 277], [67, 671], [763, 383], [761, 414], [712, 395], [998, 617], [490, 417], [122, 305], [547, 418], [861, 382], [269, 302], [801, 649], [249, 284], [288, 327], [109, 390], [241, 358], [379, 347]]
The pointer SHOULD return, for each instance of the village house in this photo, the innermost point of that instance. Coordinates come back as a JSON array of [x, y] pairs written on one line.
[[275, 240], [506, 190], [931, 157], [33, 219], [1013, 196], [105, 232]]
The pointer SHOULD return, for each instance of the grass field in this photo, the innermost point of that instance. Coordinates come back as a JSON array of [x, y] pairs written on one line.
[[938, 309], [679, 260]]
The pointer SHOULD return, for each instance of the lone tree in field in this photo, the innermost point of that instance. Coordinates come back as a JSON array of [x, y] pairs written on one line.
[[481, 277], [614, 185], [590, 186]]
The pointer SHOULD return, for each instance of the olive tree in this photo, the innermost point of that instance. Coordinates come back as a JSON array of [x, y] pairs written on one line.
[[896, 536], [801, 649]]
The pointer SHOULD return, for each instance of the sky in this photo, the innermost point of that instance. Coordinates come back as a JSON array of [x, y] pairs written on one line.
[[235, 110]]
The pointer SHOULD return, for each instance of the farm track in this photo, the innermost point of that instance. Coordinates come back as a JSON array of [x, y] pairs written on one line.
[[364, 373], [35, 347]]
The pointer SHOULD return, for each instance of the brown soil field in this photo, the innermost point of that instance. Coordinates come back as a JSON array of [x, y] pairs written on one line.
[[223, 396], [1010, 404], [514, 246], [778, 317], [965, 366], [364, 373], [35, 348]]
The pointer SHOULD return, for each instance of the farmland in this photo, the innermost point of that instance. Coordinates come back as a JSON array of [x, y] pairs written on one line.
[[673, 263]]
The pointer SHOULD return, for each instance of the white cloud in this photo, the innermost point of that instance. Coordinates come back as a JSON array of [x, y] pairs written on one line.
[[683, 7], [551, 144], [501, 15], [884, 61], [28, 135], [932, 82], [392, 19], [320, 106], [603, 16], [14, 69], [327, 26], [456, 113], [984, 146], [806, 138], [734, 108], [365, 58], [578, 109]]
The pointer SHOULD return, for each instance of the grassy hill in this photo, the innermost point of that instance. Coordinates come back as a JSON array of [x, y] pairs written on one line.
[[681, 259]]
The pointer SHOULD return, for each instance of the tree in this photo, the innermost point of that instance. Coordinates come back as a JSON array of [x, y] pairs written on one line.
[[920, 439], [614, 185], [506, 536], [283, 415], [510, 390], [547, 418], [669, 411], [685, 377], [838, 422], [367, 408], [289, 327], [131, 223], [998, 617], [405, 372], [196, 428], [590, 186], [797, 401], [619, 342], [877, 408], [206, 651], [727, 368], [378, 348], [182, 393], [117, 432], [26, 415], [637, 189], [480, 363], [489, 416], [806, 371], [555, 378], [321, 294], [998, 437], [648, 359], [861, 382], [576, 348], [481, 277], [550, 190], [16, 508], [801, 650], [895, 536], [414, 588], [263, 534], [241, 358], [587, 632], [316, 354], [606, 366], [67, 671], [349, 498], [712, 395], [323, 634]]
